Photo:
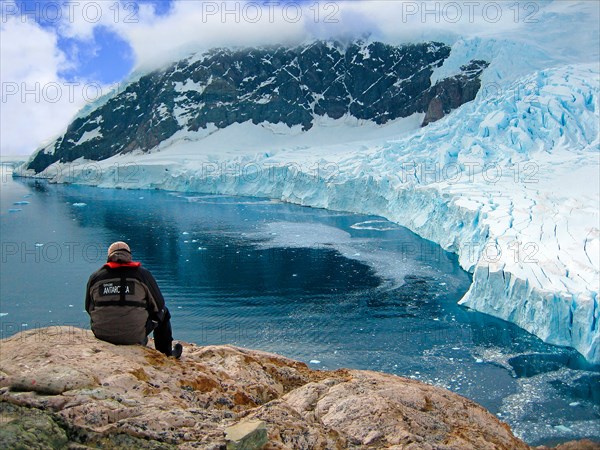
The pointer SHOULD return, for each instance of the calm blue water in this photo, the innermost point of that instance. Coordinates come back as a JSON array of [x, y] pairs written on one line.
[[331, 289]]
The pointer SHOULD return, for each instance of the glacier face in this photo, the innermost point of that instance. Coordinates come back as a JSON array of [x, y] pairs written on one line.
[[509, 182]]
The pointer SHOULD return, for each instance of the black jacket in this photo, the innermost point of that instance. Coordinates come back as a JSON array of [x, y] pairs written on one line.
[[121, 298]]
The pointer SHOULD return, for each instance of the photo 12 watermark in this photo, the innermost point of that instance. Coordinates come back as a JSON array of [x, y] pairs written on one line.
[[57, 333], [518, 92], [469, 172], [52, 252], [61, 12], [132, 174], [493, 252], [454, 12], [269, 11], [56, 92], [53, 92]]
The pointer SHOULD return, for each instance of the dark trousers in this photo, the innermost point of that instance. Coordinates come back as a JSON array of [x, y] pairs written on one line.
[[163, 335]]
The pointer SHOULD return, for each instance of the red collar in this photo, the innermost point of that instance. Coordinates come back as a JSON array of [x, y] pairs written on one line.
[[116, 265]]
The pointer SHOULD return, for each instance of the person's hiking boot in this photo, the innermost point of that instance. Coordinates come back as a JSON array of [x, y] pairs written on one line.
[[177, 351]]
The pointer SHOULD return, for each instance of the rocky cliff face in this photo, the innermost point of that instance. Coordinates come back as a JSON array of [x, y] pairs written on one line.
[[62, 387], [294, 86]]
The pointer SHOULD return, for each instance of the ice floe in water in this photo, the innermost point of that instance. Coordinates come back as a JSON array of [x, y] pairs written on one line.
[[391, 267], [79, 205], [538, 407], [375, 225], [220, 200]]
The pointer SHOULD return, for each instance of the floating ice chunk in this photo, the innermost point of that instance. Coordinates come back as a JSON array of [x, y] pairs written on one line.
[[563, 429], [375, 225], [21, 203], [79, 205], [3, 314], [574, 404], [314, 361], [38, 244], [14, 210], [202, 248], [185, 233]]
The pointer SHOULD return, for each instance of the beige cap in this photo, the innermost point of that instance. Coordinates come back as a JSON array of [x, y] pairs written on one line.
[[118, 246]]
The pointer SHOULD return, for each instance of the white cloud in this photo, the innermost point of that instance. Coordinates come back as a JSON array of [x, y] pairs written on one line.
[[198, 25], [29, 63], [37, 104], [195, 26]]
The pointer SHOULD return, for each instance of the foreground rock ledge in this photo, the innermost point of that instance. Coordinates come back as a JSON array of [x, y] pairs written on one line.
[[90, 393]]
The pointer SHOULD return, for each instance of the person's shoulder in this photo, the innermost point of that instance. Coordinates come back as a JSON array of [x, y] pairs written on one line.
[[98, 273], [141, 269]]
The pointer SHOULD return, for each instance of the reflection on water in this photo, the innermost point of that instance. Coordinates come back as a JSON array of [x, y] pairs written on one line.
[[331, 289]]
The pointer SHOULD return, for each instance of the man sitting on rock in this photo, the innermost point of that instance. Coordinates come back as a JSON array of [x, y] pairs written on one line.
[[125, 304]]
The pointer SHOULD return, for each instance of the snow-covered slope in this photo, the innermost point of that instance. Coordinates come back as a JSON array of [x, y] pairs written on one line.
[[510, 181], [297, 85]]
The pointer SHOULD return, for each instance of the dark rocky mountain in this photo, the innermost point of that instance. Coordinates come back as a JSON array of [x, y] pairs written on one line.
[[374, 81]]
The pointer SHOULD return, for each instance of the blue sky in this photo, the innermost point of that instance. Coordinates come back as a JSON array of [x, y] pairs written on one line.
[[105, 57]]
